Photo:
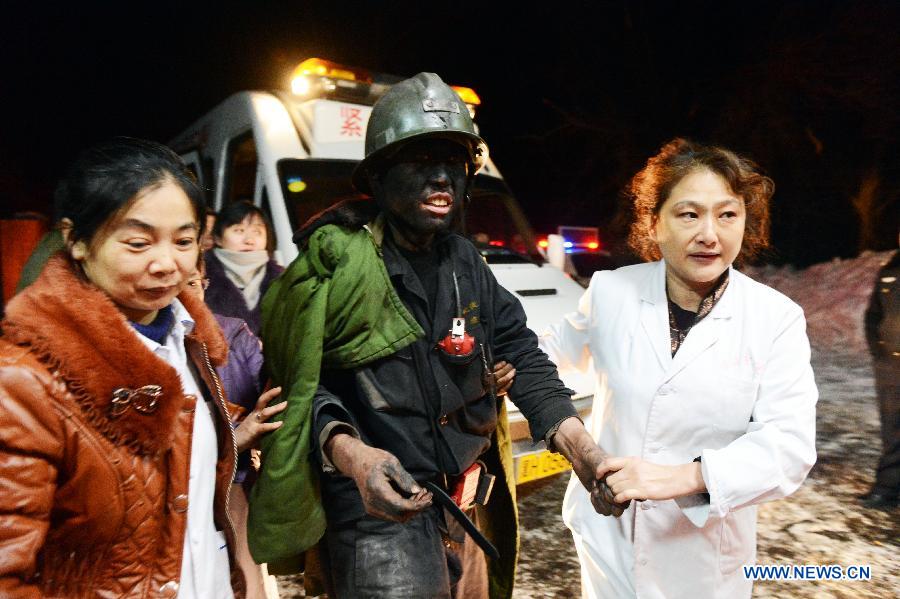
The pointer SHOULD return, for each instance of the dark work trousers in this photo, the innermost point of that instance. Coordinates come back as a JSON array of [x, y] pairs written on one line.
[[420, 558], [887, 386]]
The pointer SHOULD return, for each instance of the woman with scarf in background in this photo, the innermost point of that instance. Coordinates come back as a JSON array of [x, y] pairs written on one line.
[[240, 268]]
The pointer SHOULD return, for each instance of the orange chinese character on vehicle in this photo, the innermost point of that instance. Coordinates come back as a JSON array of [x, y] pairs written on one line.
[[352, 125]]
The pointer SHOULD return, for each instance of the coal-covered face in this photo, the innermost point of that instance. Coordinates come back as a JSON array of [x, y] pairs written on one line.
[[422, 188]]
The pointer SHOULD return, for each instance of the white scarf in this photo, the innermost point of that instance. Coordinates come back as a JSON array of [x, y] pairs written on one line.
[[246, 270]]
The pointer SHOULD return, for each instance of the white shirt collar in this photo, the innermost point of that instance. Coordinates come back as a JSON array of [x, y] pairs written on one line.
[[183, 317], [182, 327]]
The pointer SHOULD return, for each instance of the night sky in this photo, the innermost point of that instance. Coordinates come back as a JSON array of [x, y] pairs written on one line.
[[575, 95]]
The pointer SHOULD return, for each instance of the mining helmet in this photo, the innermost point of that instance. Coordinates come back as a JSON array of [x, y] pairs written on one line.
[[416, 108]]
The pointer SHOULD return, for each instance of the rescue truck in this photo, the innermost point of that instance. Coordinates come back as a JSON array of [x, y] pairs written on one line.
[[292, 152]]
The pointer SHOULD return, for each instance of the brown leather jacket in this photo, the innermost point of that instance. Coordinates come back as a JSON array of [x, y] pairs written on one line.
[[94, 504]]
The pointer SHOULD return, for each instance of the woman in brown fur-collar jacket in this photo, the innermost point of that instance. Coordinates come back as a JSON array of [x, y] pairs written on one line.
[[116, 448]]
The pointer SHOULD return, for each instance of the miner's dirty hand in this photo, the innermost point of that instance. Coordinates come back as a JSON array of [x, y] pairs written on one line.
[[603, 500], [602, 497], [388, 491], [577, 445]]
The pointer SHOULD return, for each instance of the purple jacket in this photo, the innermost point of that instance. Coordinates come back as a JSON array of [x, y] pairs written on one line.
[[241, 374], [223, 297]]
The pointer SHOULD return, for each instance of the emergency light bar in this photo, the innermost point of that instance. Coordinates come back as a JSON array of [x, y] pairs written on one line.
[[317, 77], [467, 95], [316, 67], [580, 239], [576, 239]]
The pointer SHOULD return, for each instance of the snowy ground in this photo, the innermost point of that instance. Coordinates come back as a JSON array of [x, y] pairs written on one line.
[[821, 523]]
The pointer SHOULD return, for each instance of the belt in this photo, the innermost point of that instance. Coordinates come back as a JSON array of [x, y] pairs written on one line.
[[448, 504]]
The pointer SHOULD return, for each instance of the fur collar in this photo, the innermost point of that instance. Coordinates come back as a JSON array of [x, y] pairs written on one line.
[[79, 334]]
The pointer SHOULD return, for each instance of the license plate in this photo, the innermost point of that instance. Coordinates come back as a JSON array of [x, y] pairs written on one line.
[[538, 465]]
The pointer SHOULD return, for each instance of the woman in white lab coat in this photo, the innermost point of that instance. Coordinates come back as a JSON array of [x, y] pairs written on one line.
[[705, 401]]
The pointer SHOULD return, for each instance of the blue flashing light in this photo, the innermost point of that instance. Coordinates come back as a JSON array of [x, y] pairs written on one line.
[[568, 244]]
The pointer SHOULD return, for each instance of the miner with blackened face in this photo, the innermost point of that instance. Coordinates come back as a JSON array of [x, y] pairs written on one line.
[[409, 434], [422, 189]]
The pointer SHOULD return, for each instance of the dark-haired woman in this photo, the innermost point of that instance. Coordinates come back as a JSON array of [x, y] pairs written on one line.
[[240, 268], [116, 449], [706, 398]]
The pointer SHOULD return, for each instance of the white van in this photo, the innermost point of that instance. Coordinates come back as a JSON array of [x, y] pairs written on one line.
[[292, 152]]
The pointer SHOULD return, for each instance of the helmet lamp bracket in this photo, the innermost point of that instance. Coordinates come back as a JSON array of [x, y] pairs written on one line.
[[436, 105]]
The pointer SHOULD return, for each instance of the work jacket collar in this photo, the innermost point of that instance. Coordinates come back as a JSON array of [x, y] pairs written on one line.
[[407, 282]]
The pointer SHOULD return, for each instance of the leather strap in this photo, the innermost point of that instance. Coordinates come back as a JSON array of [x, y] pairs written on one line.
[[460, 516]]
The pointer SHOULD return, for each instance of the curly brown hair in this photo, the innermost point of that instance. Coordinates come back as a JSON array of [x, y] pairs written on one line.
[[651, 186]]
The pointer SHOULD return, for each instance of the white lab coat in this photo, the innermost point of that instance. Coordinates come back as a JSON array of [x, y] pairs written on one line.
[[739, 392]]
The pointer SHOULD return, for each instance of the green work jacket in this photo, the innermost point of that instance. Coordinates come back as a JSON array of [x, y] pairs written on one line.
[[335, 307]]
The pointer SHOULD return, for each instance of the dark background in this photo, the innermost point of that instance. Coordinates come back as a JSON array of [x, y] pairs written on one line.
[[576, 95]]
